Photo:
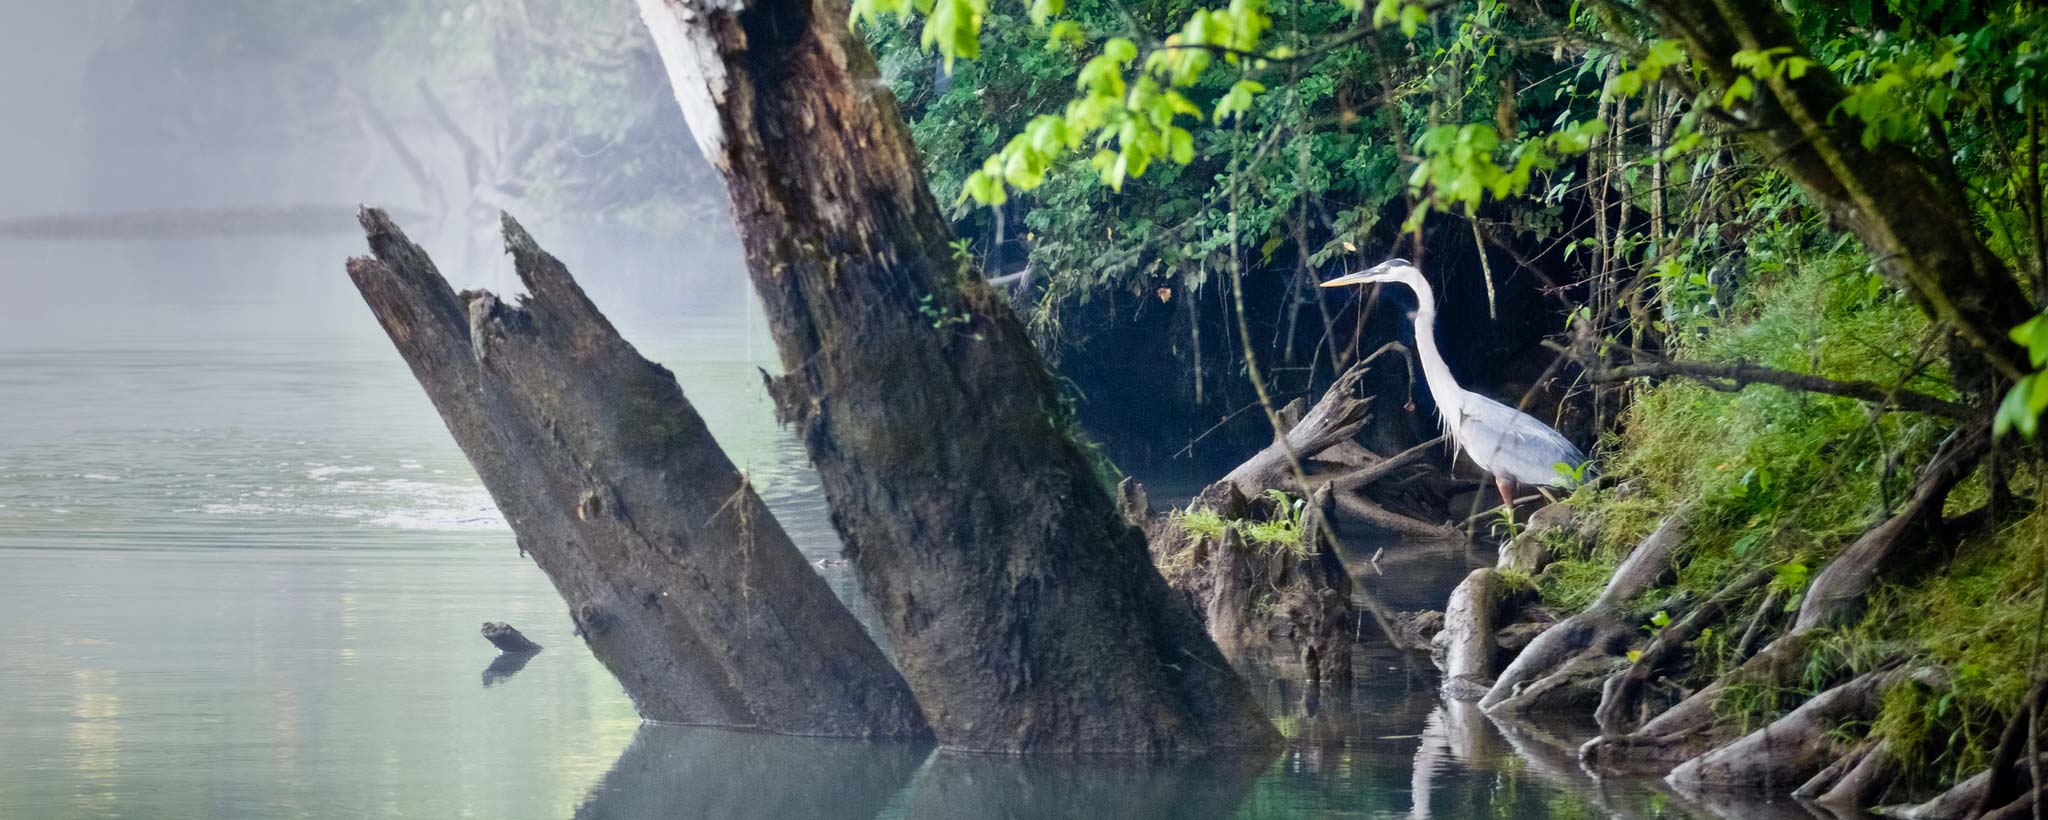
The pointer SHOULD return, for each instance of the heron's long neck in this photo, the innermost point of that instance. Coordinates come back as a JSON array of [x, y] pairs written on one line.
[[1437, 374]]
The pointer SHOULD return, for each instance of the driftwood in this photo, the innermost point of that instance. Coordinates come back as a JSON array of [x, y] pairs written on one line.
[[1555, 666], [1023, 608], [676, 575], [1335, 418]]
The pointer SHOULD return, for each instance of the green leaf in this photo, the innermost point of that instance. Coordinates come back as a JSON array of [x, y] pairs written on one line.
[[1741, 89], [1043, 10]]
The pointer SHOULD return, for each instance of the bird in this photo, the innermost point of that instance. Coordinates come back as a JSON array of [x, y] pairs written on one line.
[[1510, 445]]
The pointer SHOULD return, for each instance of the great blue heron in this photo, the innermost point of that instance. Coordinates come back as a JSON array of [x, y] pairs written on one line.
[[1508, 444]]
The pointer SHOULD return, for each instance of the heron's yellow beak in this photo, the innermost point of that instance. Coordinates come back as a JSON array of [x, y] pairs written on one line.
[[1359, 278]]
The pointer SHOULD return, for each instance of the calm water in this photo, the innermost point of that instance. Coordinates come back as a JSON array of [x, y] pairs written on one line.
[[244, 567]]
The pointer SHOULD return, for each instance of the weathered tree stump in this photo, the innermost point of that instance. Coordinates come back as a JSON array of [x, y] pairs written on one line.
[[676, 575], [1024, 610]]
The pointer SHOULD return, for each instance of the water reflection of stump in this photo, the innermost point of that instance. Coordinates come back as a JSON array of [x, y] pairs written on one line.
[[693, 771], [506, 665], [959, 785]]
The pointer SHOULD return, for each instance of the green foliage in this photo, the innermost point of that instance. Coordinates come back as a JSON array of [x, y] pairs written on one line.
[[2028, 396], [1148, 145]]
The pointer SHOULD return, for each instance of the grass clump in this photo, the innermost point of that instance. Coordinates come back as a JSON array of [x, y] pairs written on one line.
[[1977, 622], [1280, 529]]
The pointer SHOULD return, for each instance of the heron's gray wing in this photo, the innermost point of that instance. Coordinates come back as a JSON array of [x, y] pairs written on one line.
[[1509, 442]]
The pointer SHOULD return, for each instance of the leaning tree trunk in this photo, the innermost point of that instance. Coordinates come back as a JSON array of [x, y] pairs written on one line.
[[1024, 610], [676, 575]]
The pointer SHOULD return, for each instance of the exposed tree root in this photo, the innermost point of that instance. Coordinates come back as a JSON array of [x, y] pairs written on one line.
[[1836, 594], [1966, 799], [1555, 664], [1685, 730], [1621, 697], [2008, 781], [1467, 639], [1790, 750]]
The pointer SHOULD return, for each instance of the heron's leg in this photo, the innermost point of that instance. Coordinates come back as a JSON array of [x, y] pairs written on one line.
[[1507, 490]]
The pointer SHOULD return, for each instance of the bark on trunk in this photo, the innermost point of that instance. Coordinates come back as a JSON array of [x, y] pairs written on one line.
[[1023, 607], [676, 575]]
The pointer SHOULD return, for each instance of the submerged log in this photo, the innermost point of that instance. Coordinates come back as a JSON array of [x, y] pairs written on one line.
[[676, 575], [1023, 607], [507, 639]]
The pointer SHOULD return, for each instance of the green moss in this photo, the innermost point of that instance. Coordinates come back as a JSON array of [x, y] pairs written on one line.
[[1572, 584]]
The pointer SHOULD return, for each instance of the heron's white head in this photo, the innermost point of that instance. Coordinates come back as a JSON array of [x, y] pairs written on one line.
[[1392, 270]]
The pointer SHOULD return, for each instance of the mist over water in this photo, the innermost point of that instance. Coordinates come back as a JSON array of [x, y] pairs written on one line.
[[242, 563]]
